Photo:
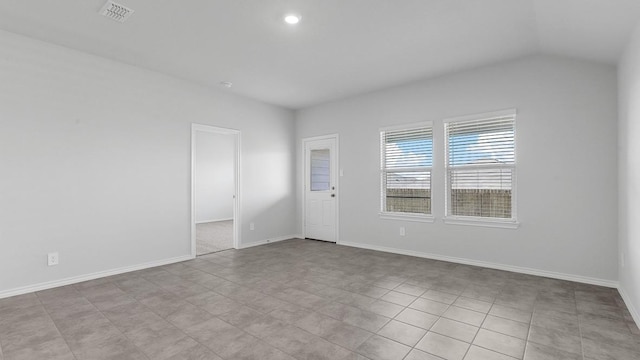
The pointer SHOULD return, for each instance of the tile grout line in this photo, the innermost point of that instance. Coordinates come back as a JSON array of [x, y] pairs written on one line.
[[526, 341], [56, 326], [242, 279], [182, 330], [169, 322], [579, 329], [439, 317], [114, 325], [1, 353], [479, 328], [264, 314]]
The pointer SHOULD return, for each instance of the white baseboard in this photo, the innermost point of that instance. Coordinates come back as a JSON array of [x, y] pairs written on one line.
[[517, 269], [267, 241], [92, 276], [632, 309], [213, 220]]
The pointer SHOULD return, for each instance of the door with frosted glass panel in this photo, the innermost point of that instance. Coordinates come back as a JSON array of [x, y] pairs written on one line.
[[320, 189]]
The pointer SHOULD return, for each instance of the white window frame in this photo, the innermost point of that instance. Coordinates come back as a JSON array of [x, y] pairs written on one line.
[[383, 171], [511, 223]]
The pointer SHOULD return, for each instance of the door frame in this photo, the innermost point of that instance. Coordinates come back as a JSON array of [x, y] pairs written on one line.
[[303, 209], [237, 213]]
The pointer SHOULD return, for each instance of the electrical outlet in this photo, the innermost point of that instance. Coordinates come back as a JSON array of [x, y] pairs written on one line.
[[53, 259], [252, 226], [402, 232]]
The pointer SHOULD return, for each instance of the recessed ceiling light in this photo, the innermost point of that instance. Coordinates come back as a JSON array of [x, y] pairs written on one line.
[[226, 84], [292, 19]]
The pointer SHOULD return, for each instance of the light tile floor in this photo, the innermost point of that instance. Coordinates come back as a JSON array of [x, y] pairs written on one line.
[[301, 299]]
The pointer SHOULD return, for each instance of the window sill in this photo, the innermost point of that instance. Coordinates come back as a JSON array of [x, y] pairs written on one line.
[[407, 217], [474, 221]]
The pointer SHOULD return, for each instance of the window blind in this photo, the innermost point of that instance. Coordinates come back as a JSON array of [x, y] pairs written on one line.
[[320, 170], [480, 167], [406, 161]]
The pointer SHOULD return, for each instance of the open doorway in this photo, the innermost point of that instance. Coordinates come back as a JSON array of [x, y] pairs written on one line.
[[215, 178]]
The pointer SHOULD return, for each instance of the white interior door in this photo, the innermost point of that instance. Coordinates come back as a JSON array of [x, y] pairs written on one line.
[[320, 189]]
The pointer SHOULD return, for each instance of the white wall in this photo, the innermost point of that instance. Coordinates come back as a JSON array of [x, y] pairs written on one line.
[[629, 177], [215, 176], [566, 149], [95, 161]]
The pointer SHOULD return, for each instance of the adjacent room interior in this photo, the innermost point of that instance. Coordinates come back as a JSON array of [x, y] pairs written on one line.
[[357, 180], [215, 189]]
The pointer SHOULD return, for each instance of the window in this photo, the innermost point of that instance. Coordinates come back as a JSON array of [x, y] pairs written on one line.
[[480, 167], [406, 160], [320, 172]]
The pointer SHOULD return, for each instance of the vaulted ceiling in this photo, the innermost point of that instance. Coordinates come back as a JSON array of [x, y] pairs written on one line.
[[340, 48]]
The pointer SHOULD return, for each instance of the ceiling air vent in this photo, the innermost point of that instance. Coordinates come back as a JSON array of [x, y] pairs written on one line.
[[115, 11]]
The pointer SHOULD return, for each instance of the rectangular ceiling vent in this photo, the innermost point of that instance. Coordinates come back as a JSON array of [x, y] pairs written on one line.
[[115, 11]]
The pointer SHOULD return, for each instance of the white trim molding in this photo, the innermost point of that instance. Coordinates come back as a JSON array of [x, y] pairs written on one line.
[[486, 115], [634, 312], [516, 269], [91, 276], [410, 126], [268, 241], [486, 222], [213, 220], [407, 217]]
